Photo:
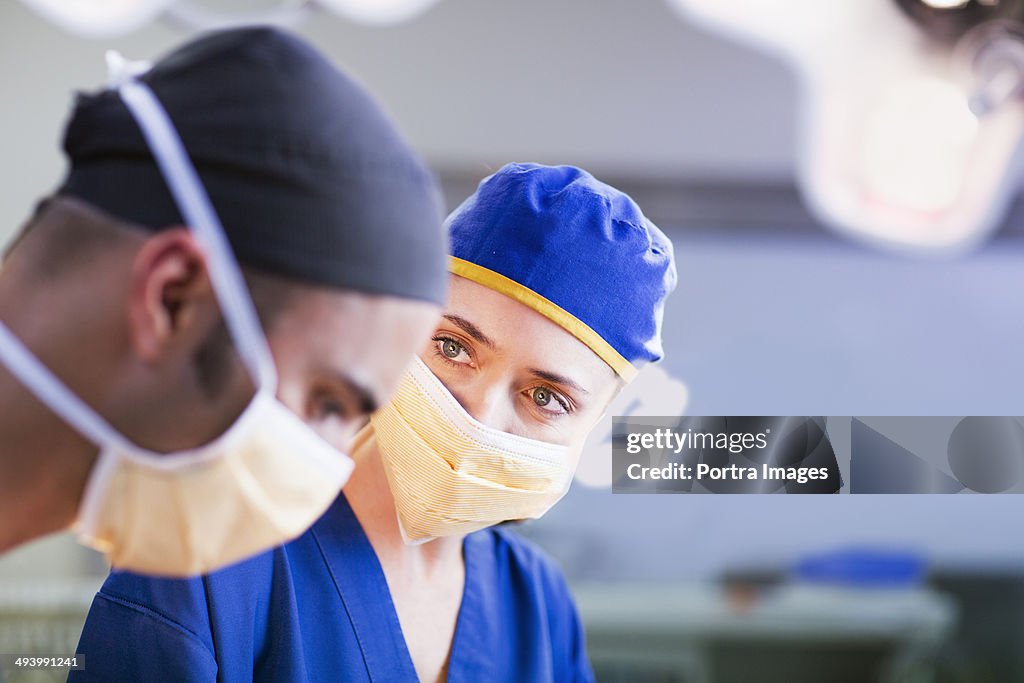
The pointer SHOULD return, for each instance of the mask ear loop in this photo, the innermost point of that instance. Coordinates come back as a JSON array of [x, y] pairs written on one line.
[[31, 372], [228, 284]]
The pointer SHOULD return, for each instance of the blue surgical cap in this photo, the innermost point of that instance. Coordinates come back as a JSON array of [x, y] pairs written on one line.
[[574, 249]]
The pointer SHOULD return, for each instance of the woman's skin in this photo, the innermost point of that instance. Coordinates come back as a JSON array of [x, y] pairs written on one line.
[[512, 369]]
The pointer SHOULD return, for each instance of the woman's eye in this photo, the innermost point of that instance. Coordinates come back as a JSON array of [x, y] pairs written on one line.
[[548, 400], [541, 396], [451, 350]]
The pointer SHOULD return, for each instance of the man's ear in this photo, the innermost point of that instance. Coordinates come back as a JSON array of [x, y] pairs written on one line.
[[171, 302]]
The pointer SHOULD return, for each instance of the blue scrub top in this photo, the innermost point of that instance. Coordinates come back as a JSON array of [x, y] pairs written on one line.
[[319, 609]]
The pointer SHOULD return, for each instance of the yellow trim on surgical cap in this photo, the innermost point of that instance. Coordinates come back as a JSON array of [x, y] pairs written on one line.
[[549, 309]]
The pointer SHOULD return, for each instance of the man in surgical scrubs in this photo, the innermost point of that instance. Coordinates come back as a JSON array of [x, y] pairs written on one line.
[[109, 291], [557, 293]]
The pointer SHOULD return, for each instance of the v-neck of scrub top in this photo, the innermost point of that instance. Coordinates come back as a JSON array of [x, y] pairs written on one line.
[[359, 579]]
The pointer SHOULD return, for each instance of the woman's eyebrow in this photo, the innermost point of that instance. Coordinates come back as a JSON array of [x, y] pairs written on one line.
[[555, 378], [470, 329]]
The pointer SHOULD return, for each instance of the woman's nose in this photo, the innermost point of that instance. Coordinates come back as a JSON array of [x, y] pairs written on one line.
[[488, 404]]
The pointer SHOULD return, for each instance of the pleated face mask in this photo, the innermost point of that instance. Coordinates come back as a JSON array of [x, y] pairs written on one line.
[[452, 475], [262, 482]]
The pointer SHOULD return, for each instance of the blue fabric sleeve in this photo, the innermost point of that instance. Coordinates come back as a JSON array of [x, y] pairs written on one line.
[[127, 641]]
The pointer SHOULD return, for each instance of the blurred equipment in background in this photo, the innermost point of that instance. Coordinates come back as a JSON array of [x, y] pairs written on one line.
[[39, 618], [986, 643], [107, 18], [912, 113], [849, 617], [951, 19], [653, 392], [856, 614]]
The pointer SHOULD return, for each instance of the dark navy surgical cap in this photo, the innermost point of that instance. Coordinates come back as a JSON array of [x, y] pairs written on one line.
[[309, 177], [574, 249]]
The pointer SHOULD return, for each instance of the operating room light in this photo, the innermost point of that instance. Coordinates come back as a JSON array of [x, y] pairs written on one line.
[[106, 18], [98, 18], [946, 4], [911, 116], [378, 11], [917, 145]]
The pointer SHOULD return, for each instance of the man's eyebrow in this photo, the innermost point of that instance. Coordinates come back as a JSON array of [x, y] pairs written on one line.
[[470, 329], [555, 378]]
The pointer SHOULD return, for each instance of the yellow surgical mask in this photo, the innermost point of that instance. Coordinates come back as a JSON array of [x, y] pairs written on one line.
[[260, 484], [450, 474]]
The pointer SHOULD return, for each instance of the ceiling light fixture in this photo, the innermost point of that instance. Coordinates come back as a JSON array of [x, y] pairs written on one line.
[[910, 132]]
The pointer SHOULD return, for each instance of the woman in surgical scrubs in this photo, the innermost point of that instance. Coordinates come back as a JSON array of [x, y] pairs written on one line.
[[557, 291]]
